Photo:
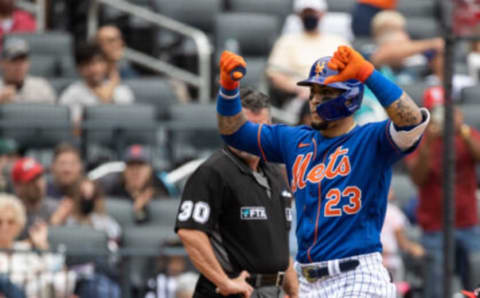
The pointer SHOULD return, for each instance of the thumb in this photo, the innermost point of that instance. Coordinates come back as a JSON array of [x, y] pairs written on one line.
[[244, 275], [332, 79]]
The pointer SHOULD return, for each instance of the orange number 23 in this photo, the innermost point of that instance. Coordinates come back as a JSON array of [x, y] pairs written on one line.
[[354, 195]]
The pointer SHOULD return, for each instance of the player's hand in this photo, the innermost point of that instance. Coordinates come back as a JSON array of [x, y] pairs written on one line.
[[228, 63], [237, 285], [350, 65]]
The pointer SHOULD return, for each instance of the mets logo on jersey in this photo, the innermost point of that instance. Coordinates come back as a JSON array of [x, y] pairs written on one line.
[[338, 166], [253, 213], [320, 171]]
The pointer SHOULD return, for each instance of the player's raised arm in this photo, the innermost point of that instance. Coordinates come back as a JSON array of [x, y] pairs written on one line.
[[229, 108], [401, 109]]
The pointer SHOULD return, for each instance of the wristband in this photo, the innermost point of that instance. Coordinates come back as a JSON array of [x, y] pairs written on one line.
[[385, 90], [228, 102]]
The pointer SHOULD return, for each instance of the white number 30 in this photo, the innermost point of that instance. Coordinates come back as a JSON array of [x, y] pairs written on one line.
[[201, 211]]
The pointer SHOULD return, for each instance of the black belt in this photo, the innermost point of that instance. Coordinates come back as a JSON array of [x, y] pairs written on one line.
[[266, 280], [313, 273]]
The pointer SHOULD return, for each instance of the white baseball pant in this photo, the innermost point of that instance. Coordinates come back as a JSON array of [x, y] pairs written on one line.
[[369, 280]]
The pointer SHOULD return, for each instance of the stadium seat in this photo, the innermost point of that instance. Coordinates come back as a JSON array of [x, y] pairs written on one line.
[[254, 33], [340, 5], [36, 125], [404, 189], [163, 211], [281, 8], [415, 90], [81, 244], [43, 66], [423, 27], [117, 126], [255, 77], [471, 114], [154, 91], [56, 45], [146, 243], [470, 95], [192, 131], [60, 84], [48, 43], [121, 210], [422, 8], [199, 13]]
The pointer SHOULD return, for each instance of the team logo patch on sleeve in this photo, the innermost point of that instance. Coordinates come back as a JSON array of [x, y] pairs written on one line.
[[253, 213]]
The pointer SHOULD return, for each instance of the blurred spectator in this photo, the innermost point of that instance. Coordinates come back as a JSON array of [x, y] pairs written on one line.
[[17, 86], [110, 40], [292, 54], [172, 271], [425, 167], [473, 60], [138, 182], [97, 86], [41, 275], [14, 20], [96, 279], [8, 289], [393, 44], [186, 285], [331, 22], [363, 13], [89, 210], [67, 171], [30, 188], [459, 80], [8, 156], [393, 237]]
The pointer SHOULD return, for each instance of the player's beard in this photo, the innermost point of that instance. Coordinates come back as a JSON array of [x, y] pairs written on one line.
[[320, 125]]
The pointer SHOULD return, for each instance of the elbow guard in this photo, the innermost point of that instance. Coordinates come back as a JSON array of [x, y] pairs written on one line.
[[405, 139]]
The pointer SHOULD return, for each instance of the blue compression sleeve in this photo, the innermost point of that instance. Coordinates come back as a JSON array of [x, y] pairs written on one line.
[[228, 102], [385, 90]]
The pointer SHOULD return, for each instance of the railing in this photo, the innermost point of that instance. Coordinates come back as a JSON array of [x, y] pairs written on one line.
[[201, 80], [38, 9]]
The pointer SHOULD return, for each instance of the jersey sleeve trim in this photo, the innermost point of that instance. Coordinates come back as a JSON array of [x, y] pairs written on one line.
[[259, 140], [389, 137]]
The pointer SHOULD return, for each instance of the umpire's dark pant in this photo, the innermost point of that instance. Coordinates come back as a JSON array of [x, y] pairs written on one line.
[[206, 289]]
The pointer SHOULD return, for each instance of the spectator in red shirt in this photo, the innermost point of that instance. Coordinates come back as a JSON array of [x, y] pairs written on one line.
[[14, 20], [426, 171]]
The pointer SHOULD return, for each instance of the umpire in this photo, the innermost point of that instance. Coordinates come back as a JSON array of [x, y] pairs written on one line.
[[234, 220]]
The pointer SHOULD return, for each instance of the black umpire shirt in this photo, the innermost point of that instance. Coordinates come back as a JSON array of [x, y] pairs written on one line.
[[246, 215]]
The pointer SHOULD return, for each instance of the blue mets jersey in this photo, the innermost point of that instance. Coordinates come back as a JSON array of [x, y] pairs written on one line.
[[340, 184]]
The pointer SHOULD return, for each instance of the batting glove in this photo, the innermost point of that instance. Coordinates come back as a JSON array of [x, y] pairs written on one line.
[[232, 69], [350, 65]]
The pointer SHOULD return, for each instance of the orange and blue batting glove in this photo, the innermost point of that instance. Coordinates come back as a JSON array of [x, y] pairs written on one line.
[[232, 69], [352, 66]]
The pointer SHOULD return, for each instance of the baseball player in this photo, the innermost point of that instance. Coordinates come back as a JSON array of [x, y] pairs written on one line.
[[340, 172]]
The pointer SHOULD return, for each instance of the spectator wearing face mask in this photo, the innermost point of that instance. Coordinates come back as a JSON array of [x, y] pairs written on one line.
[[89, 211], [292, 54]]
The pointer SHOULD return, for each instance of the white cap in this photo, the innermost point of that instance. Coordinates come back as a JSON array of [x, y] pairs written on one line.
[[299, 5]]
